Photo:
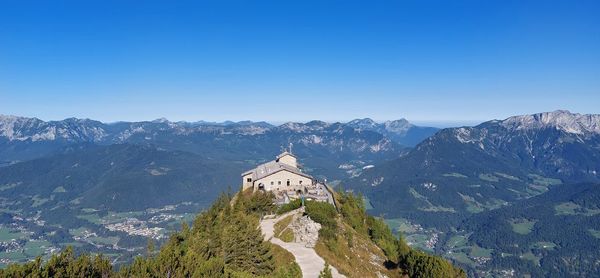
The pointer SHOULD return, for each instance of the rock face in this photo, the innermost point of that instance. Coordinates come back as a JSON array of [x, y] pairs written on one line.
[[305, 231], [561, 120]]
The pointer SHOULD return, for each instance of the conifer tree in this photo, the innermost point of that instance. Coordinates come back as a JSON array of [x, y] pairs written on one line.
[[244, 248]]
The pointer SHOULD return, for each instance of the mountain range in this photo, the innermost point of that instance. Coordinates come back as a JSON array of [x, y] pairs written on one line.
[[325, 146], [445, 190], [494, 162], [472, 173], [400, 131], [90, 158], [108, 187]]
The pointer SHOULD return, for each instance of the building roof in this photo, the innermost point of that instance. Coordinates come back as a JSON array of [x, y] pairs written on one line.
[[273, 167], [284, 154]]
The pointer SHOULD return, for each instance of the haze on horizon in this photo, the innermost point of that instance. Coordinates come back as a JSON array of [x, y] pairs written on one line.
[[277, 61]]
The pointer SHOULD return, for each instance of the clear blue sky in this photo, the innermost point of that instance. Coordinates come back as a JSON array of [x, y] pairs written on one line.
[[428, 61]]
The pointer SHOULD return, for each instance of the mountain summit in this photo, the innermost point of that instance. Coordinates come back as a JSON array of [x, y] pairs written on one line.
[[400, 130], [559, 119]]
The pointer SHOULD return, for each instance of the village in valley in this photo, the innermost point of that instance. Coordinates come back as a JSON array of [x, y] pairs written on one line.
[[119, 235], [122, 235]]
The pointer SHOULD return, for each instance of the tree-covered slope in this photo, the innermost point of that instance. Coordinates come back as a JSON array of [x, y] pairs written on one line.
[[554, 234], [225, 241], [460, 171], [349, 235], [120, 177], [486, 196]]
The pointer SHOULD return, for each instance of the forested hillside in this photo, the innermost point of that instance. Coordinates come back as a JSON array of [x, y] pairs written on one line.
[[342, 233], [225, 241], [506, 196], [554, 234], [111, 187], [120, 177]]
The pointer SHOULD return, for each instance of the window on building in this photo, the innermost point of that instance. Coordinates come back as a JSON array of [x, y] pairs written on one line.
[[300, 182], [249, 179], [272, 183], [288, 183], [279, 182]]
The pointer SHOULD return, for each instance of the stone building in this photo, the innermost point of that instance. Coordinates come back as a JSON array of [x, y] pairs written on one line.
[[285, 179]]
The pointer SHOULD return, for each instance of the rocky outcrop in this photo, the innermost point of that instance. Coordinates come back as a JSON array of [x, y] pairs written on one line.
[[306, 231]]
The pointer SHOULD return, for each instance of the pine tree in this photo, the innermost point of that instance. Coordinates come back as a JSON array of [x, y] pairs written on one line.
[[244, 248]]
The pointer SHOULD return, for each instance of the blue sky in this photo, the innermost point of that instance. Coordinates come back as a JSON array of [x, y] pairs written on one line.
[[427, 61]]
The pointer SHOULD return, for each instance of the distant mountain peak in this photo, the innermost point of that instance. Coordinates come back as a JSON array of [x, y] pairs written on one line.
[[365, 123], [303, 127], [363, 120], [560, 119], [161, 120], [9, 117], [399, 130], [398, 126], [393, 126], [317, 123]]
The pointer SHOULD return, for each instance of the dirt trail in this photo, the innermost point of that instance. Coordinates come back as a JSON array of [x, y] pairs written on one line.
[[310, 263]]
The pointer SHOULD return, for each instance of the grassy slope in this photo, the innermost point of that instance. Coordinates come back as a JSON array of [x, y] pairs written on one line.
[[362, 259], [281, 229]]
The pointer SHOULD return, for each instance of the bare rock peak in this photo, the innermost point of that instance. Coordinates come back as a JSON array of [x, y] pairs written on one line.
[[401, 124], [560, 119], [161, 120]]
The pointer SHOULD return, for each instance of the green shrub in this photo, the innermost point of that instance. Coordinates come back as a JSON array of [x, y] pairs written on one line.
[[324, 214], [291, 271], [353, 210], [259, 203], [327, 233], [350, 238], [292, 205], [420, 264], [214, 267], [380, 233], [63, 264]]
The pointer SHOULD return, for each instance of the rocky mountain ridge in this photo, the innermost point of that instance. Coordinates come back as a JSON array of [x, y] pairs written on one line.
[[560, 119], [498, 178], [559, 143], [325, 146], [331, 144], [14, 128], [400, 130]]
